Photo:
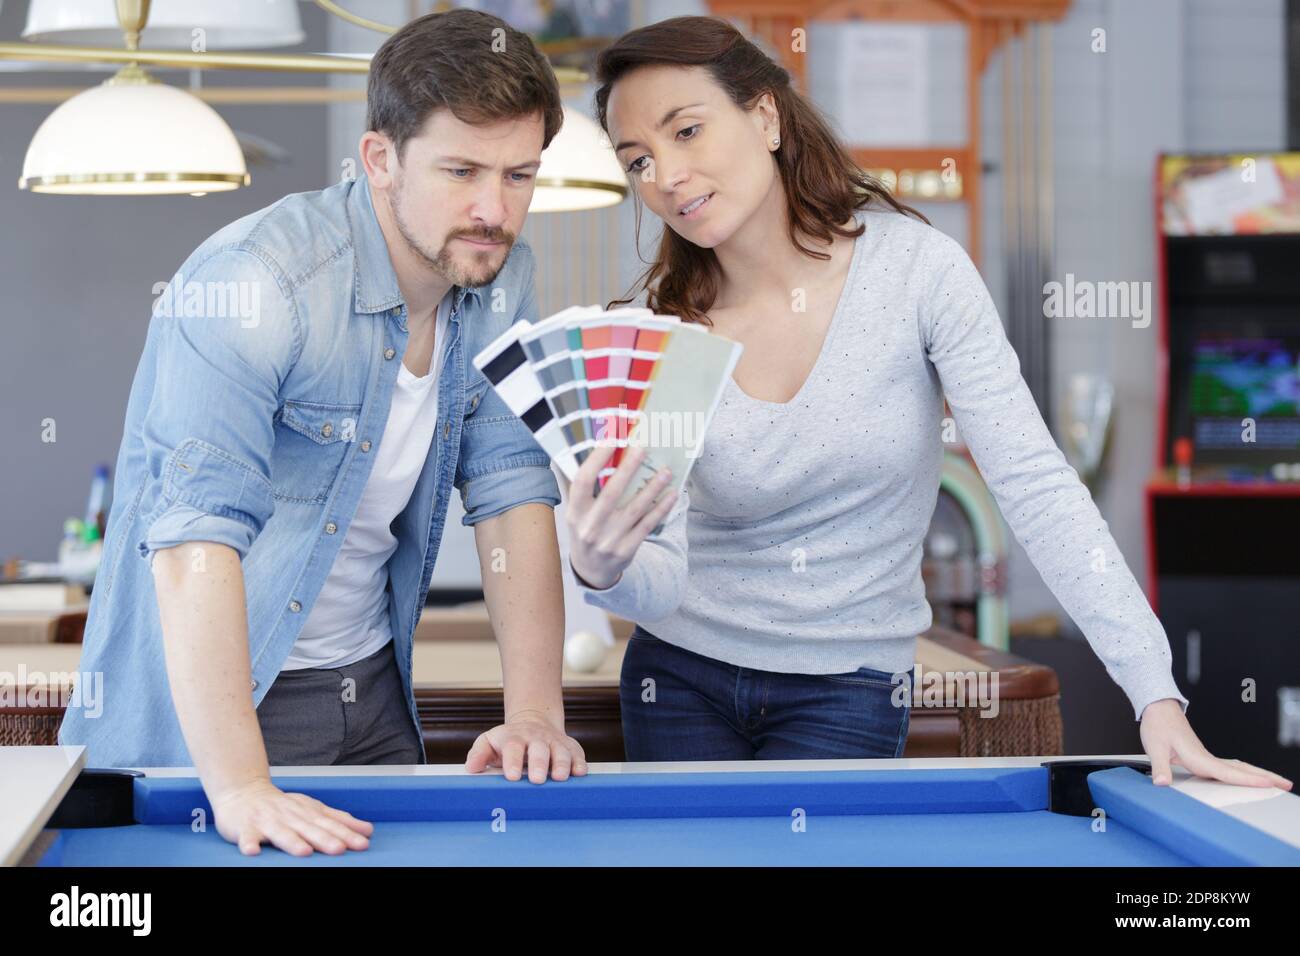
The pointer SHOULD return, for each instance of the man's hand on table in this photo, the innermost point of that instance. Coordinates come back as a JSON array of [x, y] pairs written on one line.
[[1168, 739], [528, 734], [260, 812]]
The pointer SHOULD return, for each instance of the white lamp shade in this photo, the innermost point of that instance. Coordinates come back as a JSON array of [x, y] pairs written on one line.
[[133, 139], [226, 24], [579, 169]]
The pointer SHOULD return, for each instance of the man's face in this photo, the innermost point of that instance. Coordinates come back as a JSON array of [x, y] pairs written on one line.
[[459, 193]]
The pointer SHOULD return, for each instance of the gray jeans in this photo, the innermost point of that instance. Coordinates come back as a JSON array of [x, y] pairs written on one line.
[[340, 715]]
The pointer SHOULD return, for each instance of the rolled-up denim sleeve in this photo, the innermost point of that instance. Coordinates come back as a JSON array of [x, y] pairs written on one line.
[[210, 496], [507, 481], [209, 430], [500, 465]]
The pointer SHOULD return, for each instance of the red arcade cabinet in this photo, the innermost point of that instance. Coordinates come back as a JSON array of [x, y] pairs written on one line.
[[1223, 508]]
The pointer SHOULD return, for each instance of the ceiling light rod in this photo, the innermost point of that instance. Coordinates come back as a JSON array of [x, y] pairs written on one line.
[[578, 44], [275, 62], [333, 8], [134, 14]]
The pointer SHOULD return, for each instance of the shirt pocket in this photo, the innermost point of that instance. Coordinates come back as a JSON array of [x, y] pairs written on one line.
[[475, 391], [311, 442]]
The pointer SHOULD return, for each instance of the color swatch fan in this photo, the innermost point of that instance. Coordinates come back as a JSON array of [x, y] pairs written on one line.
[[587, 375]]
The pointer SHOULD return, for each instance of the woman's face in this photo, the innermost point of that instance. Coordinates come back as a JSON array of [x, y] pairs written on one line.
[[682, 139]]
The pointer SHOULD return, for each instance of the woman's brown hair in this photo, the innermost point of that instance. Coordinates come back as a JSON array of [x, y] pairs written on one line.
[[823, 185]]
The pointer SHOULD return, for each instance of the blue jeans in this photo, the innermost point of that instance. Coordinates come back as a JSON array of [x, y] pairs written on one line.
[[679, 705]]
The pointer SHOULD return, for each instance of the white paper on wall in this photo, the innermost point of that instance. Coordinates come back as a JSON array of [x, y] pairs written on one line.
[[884, 84]]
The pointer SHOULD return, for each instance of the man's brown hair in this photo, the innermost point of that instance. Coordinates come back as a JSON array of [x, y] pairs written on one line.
[[466, 61]]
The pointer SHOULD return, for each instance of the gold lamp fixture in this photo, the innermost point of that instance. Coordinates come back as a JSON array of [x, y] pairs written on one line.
[[579, 169], [132, 135]]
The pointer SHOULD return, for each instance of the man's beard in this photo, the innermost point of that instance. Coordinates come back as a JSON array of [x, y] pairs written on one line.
[[444, 262]]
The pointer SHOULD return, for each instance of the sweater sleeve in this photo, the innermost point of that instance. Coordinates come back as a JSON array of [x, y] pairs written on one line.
[[653, 585], [1040, 495]]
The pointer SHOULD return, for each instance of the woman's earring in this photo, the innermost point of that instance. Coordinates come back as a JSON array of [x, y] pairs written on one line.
[[776, 142]]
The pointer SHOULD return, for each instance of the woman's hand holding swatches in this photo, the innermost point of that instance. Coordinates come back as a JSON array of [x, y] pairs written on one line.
[[603, 537]]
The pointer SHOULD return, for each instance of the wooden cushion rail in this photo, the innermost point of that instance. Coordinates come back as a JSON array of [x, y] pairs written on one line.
[[458, 693]]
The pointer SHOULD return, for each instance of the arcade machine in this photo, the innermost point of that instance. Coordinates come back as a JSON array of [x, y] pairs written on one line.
[[1223, 508]]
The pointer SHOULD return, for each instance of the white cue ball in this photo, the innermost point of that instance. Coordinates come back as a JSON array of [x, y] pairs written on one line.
[[584, 651]]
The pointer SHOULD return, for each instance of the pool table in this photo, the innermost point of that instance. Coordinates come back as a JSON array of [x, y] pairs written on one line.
[[925, 812]]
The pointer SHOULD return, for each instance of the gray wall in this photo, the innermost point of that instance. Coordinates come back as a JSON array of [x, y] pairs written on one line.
[[77, 274]]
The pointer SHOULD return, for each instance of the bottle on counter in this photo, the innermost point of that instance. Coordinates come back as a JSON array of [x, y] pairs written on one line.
[[83, 538], [71, 543], [100, 500]]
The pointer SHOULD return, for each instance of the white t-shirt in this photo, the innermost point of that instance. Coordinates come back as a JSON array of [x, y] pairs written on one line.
[[349, 620]]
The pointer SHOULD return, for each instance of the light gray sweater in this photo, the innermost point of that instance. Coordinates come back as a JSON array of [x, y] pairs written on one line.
[[796, 545]]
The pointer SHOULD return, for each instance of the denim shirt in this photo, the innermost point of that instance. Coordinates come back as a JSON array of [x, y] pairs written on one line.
[[255, 414]]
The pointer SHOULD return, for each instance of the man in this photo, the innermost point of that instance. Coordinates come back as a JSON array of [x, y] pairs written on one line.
[[303, 407]]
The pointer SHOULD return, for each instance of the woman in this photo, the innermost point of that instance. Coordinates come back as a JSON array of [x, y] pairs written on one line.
[[784, 593]]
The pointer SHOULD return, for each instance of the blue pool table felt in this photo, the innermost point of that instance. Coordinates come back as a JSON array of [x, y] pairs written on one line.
[[967, 817]]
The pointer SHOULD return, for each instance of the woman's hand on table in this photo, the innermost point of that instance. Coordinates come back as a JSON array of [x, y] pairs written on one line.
[[260, 812], [603, 537], [528, 735], [1168, 739]]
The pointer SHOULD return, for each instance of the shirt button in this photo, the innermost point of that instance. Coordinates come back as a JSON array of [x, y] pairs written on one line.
[[365, 446], [389, 352], [446, 429], [331, 527], [327, 429], [254, 683], [295, 607]]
